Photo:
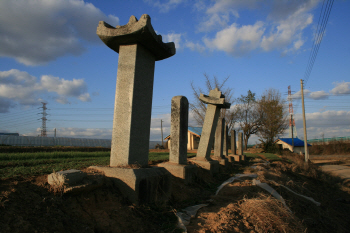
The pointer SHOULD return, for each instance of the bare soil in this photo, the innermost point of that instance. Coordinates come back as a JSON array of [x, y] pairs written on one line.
[[30, 205]]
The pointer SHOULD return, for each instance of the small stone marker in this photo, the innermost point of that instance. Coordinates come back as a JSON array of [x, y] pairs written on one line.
[[225, 149], [179, 130], [177, 164], [215, 101], [240, 144], [139, 47], [233, 142], [219, 139]]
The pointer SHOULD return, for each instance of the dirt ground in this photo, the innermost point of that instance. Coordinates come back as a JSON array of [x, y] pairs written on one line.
[[30, 205]]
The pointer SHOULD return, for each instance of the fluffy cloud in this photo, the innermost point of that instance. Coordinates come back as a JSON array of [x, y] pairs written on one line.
[[36, 32], [341, 88], [22, 88], [329, 123], [165, 6], [173, 37], [319, 95], [237, 40], [281, 30]]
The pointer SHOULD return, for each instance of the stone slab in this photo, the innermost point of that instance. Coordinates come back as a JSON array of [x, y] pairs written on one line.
[[68, 177], [212, 166], [243, 157], [236, 158], [185, 172], [140, 186]]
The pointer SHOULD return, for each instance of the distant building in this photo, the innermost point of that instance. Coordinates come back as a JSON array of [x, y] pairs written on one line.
[[10, 134], [287, 144], [194, 134]]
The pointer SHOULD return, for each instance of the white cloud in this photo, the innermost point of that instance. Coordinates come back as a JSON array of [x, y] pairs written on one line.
[[22, 88], [297, 95], [237, 40], [341, 88], [194, 46], [281, 30], [173, 37], [319, 95], [165, 6], [329, 123], [36, 32]]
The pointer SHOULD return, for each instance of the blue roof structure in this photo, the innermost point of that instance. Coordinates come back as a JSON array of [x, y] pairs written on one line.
[[297, 142], [196, 130]]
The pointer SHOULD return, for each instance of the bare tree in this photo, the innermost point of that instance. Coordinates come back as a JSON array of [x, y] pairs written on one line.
[[248, 115], [273, 114], [199, 108]]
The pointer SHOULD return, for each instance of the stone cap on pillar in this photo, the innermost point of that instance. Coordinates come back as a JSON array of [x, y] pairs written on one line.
[[136, 32], [215, 98]]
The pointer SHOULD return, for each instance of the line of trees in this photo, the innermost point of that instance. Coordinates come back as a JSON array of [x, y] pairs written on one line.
[[265, 116]]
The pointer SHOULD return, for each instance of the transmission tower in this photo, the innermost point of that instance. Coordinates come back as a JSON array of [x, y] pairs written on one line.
[[43, 120], [292, 129]]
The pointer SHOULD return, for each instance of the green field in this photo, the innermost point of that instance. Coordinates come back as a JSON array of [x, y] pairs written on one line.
[[30, 164]]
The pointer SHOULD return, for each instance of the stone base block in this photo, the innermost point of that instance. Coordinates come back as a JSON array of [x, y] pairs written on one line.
[[236, 158], [142, 185], [185, 172], [213, 166], [68, 177], [243, 157]]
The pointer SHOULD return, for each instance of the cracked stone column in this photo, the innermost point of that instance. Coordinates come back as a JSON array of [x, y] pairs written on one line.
[[215, 101], [139, 47]]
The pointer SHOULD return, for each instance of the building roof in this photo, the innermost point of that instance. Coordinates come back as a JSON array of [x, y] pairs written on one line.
[[195, 130], [297, 142]]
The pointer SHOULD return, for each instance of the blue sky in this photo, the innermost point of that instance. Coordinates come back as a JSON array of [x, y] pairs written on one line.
[[49, 52]]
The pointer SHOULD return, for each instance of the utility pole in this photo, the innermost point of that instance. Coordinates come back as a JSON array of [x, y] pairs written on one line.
[[291, 112], [304, 122], [161, 127], [43, 120]]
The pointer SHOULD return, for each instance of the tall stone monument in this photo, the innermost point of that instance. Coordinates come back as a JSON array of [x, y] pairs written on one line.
[[177, 164], [215, 101], [139, 47], [233, 142], [219, 142], [226, 142]]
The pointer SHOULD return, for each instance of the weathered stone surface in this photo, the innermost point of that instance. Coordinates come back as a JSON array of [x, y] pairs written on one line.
[[215, 102], [240, 144], [225, 146], [68, 177], [140, 186], [236, 158], [179, 130], [213, 166], [185, 172], [136, 32], [233, 142], [133, 106], [219, 139]]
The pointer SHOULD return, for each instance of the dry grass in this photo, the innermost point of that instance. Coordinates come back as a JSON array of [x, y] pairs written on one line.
[[269, 215]]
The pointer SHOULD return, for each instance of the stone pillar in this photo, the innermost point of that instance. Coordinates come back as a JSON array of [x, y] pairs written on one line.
[[177, 164], [215, 101], [219, 139], [225, 148], [138, 47], [240, 144], [233, 142], [179, 130]]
